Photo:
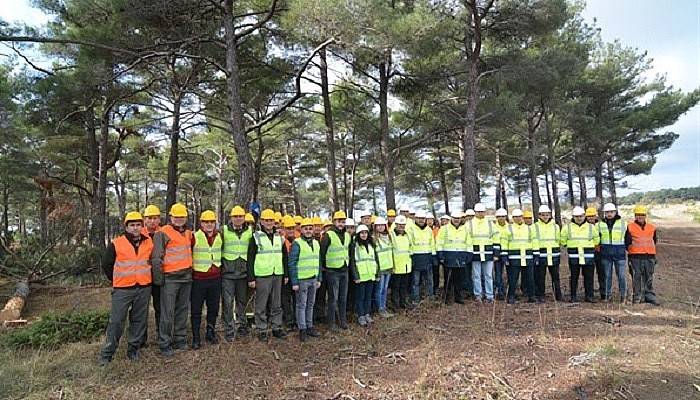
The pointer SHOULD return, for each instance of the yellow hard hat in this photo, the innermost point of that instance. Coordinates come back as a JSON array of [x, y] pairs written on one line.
[[133, 216], [267, 214], [298, 219], [373, 218], [151, 211], [591, 212], [316, 220], [249, 217], [640, 210], [329, 222], [288, 221], [306, 222], [208, 215], [178, 210], [237, 211], [278, 216], [527, 214], [391, 213], [339, 215]]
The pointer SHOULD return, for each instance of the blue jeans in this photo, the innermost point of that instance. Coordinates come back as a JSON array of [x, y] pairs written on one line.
[[363, 297], [423, 275], [619, 266], [484, 268], [498, 278], [380, 291]]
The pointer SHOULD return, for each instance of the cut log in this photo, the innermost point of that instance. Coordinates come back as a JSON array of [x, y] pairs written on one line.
[[13, 307]]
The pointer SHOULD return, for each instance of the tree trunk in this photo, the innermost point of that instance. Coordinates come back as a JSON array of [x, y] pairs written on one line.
[[330, 132], [13, 308], [583, 189], [244, 190], [611, 181], [292, 180], [173, 159], [499, 177], [555, 197], [532, 165], [258, 165], [345, 175], [549, 193], [388, 158], [98, 232], [6, 211], [570, 185], [599, 184], [443, 179]]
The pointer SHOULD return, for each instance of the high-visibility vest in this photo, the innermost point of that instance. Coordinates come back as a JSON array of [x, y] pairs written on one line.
[[614, 236], [178, 250], [548, 240], [235, 246], [503, 238], [307, 265], [520, 243], [422, 241], [452, 238], [402, 254], [131, 268], [384, 249], [642, 238], [365, 263], [203, 255], [483, 236], [268, 259], [337, 253], [580, 241]]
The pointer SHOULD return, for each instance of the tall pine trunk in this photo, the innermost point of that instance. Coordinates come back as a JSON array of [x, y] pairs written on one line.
[[570, 186], [583, 190], [598, 173], [611, 181], [330, 132], [173, 159], [443, 179], [292, 179], [388, 158]]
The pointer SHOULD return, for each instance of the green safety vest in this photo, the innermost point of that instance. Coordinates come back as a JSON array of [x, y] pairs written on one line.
[[451, 238], [365, 263], [483, 236], [616, 236], [422, 240], [580, 241], [547, 236], [402, 254], [503, 237], [337, 253], [520, 244], [236, 247], [384, 252], [268, 259], [203, 255], [307, 265]]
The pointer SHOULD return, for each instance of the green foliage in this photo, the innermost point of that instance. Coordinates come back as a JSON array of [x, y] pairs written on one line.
[[663, 196], [55, 329]]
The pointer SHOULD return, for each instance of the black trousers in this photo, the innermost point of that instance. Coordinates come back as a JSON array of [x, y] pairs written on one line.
[[288, 305], [600, 272], [454, 279], [400, 285], [436, 277], [541, 277], [588, 270], [204, 291]]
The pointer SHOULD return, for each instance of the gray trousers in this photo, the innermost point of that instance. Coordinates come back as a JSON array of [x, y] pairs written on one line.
[[642, 270], [268, 290], [306, 296], [174, 309], [131, 302], [234, 295], [337, 302]]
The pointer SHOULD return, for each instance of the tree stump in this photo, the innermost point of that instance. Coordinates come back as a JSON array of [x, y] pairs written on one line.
[[13, 307]]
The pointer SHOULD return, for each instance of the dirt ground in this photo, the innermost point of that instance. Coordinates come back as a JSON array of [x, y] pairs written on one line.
[[552, 351]]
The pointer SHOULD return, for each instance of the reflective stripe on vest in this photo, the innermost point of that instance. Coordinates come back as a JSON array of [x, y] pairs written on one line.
[[422, 240], [365, 263], [452, 238], [203, 255], [402, 254], [384, 252], [178, 250], [579, 243], [548, 240], [131, 268], [614, 236], [268, 259], [337, 253], [642, 239], [236, 247], [307, 265]]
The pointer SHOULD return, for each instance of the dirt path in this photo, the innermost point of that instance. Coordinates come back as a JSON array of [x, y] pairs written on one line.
[[554, 351]]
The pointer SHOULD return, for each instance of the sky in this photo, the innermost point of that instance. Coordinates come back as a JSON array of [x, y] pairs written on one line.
[[669, 32]]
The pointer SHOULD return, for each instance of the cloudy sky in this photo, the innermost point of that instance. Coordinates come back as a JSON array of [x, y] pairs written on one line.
[[670, 32]]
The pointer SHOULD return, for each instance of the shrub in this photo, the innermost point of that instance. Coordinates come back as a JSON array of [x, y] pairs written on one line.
[[55, 329]]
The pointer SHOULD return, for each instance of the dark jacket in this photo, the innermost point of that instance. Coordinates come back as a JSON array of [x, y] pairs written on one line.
[[293, 260], [611, 251], [354, 274], [253, 251], [325, 242]]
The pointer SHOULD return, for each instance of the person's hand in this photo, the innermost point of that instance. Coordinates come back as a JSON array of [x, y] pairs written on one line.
[[317, 284], [295, 288], [286, 280], [358, 281], [251, 284]]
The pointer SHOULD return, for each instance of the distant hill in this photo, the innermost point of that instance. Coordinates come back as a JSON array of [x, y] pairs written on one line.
[[663, 196]]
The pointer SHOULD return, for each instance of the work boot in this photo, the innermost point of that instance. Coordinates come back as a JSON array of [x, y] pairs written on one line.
[[530, 299], [333, 328], [229, 338], [343, 325], [279, 333], [302, 335], [180, 346], [103, 361], [243, 331], [362, 321], [132, 353], [210, 335], [368, 318], [574, 299], [167, 352], [591, 300], [262, 336], [196, 342], [312, 332]]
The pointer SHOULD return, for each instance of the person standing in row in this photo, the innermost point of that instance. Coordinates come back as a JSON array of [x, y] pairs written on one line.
[[580, 239], [547, 233], [641, 240], [612, 250], [151, 225], [305, 277], [335, 260], [483, 236], [384, 249], [172, 270], [288, 307], [364, 269], [520, 242], [126, 264], [453, 248], [424, 257], [401, 274], [236, 238], [206, 278], [499, 265]]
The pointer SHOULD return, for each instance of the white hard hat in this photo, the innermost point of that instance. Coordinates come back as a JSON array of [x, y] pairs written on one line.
[[380, 221], [544, 209], [400, 220], [365, 213], [362, 228], [421, 214], [517, 213], [429, 215], [405, 208], [578, 211], [456, 214], [445, 217], [501, 212], [609, 207], [469, 212], [478, 207], [349, 222]]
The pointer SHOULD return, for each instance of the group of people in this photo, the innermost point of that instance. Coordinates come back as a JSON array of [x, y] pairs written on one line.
[[302, 270]]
